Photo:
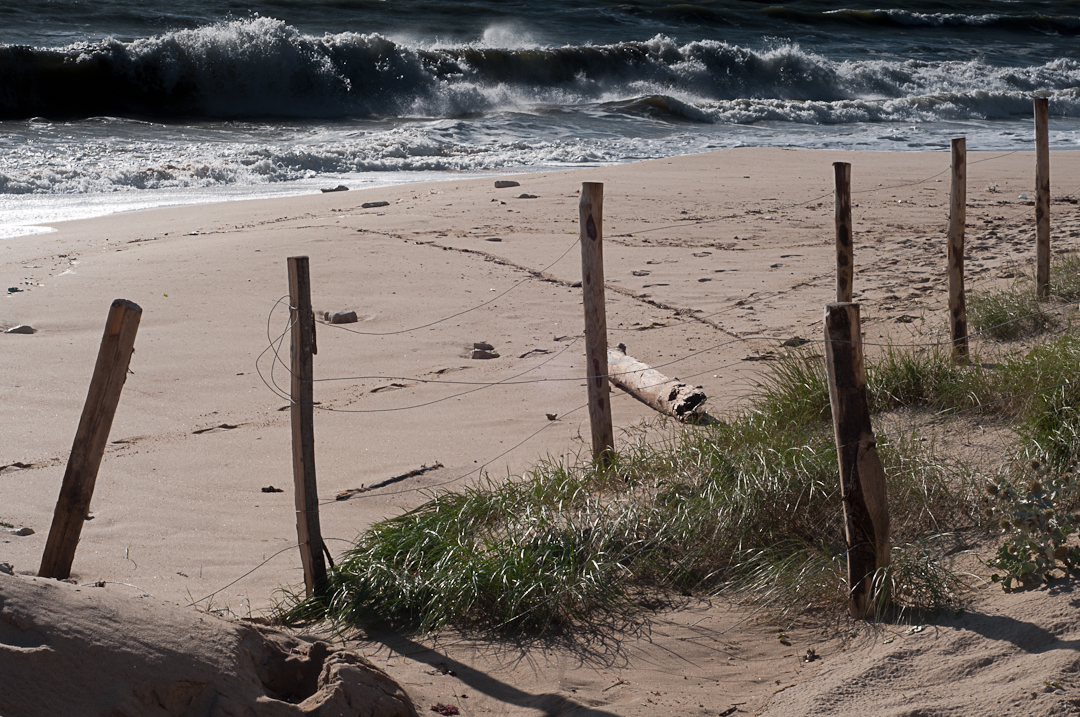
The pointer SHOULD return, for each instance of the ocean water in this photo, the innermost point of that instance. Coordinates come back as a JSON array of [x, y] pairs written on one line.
[[112, 105]]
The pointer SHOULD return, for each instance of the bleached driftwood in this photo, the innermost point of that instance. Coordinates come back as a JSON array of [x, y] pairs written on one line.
[[667, 395]]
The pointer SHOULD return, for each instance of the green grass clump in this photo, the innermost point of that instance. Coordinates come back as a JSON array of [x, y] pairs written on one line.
[[1052, 425], [796, 390], [1013, 312], [924, 377], [1006, 314], [1065, 277], [531, 552]]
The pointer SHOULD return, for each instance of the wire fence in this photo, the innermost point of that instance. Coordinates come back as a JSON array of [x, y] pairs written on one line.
[[715, 358]]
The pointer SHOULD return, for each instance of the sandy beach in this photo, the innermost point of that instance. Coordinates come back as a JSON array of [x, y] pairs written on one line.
[[711, 262]]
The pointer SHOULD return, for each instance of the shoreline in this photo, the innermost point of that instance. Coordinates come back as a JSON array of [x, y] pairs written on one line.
[[78, 207]]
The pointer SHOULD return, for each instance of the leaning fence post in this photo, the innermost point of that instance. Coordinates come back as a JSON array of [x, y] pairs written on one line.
[[957, 217], [303, 426], [845, 252], [73, 505], [1042, 198], [862, 478], [591, 213]]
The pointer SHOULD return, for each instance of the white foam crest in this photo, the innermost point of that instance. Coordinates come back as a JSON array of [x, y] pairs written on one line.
[[507, 36], [977, 104], [923, 19]]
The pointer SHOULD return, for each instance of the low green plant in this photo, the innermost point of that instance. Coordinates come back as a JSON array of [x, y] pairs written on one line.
[[1052, 424], [1037, 519], [1065, 277], [925, 377], [919, 579], [1007, 314]]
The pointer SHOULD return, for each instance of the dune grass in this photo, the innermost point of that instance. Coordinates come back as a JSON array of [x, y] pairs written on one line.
[[1014, 312], [749, 505], [745, 504]]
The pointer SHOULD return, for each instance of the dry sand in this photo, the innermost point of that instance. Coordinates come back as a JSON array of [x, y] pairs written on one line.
[[711, 261]]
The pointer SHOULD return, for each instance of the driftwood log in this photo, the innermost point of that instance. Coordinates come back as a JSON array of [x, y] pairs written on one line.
[[667, 395]]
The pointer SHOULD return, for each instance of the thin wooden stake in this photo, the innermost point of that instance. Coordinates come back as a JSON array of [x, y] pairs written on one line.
[[1042, 198], [73, 505], [591, 213], [862, 478], [957, 218], [845, 252], [303, 427]]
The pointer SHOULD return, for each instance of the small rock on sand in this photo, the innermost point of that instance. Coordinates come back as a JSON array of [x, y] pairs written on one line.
[[7, 569], [21, 329], [483, 346], [373, 205], [338, 188], [526, 196], [340, 317], [480, 354], [506, 183], [21, 532]]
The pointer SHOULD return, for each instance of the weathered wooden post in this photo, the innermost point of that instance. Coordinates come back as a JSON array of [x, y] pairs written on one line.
[[957, 217], [73, 505], [303, 426], [862, 478], [845, 251], [591, 213], [1042, 198]]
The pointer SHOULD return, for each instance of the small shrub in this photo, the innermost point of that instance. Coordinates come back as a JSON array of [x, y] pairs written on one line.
[[1037, 520]]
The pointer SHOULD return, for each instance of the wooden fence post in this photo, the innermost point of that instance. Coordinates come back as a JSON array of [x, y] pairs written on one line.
[[591, 213], [1042, 198], [957, 218], [73, 505], [862, 478], [303, 427], [845, 252]]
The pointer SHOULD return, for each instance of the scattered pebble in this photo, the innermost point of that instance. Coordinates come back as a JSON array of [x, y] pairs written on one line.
[[7, 569], [21, 329], [526, 196], [493, 239], [481, 354], [373, 205], [506, 184], [483, 346], [21, 532], [272, 489]]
